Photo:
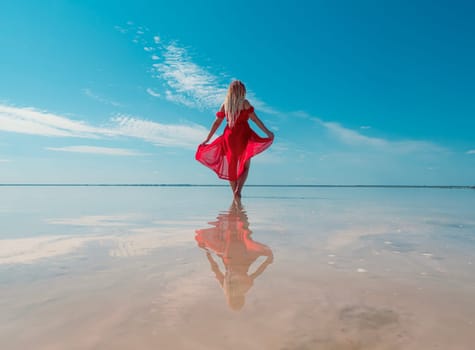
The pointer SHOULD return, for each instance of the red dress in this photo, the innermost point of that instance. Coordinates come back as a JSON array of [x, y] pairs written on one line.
[[228, 154]]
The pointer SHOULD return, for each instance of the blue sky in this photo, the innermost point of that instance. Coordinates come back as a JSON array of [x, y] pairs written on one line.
[[366, 92]]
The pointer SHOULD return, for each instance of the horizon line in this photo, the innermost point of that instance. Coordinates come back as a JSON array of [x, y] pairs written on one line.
[[220, 185]]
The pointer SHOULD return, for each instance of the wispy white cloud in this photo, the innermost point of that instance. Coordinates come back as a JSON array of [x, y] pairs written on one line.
[[135, 238], [472, 151], [180, 99], [351, 137], [354, 138], [187, 136], [261, 106], [97, 220], [101, 99], [29, 250], [140, 241], [121, 29], [153, 92], [4, 160], [189, 81], [137, 32], [31, 121], [193, 85], [34, 122], [96, 150]]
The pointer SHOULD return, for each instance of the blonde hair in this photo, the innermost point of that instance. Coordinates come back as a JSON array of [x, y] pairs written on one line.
[[233, 103]]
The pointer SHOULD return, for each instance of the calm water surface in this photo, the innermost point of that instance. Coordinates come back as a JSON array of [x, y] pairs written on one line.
[[183, 268]]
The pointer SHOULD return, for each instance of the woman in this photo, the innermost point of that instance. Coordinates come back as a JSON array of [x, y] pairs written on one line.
[[230, 239], [230, 154]]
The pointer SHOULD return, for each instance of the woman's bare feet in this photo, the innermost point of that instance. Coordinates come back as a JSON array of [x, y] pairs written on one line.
[[237, 198]]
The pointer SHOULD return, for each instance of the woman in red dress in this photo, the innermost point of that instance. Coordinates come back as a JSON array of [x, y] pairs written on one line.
[[230, 239], [229, 156]]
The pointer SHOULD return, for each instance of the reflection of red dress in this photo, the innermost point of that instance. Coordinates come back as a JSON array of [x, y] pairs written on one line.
[[227, 155], [230, 239]]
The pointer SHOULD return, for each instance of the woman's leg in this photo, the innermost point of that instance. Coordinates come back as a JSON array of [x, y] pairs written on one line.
[[232, 170], [242, 179], [233, 185]]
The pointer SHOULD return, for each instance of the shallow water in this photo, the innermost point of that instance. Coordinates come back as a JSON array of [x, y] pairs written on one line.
[[181, 268]]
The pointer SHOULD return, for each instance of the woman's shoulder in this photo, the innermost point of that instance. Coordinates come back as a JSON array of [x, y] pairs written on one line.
[[247, 106], [221, 114]]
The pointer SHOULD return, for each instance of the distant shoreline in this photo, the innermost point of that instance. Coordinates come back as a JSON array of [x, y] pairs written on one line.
[[217, 185]]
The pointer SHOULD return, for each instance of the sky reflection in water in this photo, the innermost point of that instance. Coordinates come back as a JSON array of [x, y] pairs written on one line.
[[351, 268]]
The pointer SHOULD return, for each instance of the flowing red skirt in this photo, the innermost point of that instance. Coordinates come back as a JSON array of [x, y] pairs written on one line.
[[228, 154]]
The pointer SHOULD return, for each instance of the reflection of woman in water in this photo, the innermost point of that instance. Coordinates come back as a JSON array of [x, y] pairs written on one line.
[[230, 240]]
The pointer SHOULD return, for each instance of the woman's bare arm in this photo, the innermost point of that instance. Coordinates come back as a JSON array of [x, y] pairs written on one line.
[[261, 125], [215, 268], [214, 127], [253, 116], [262, 267]]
